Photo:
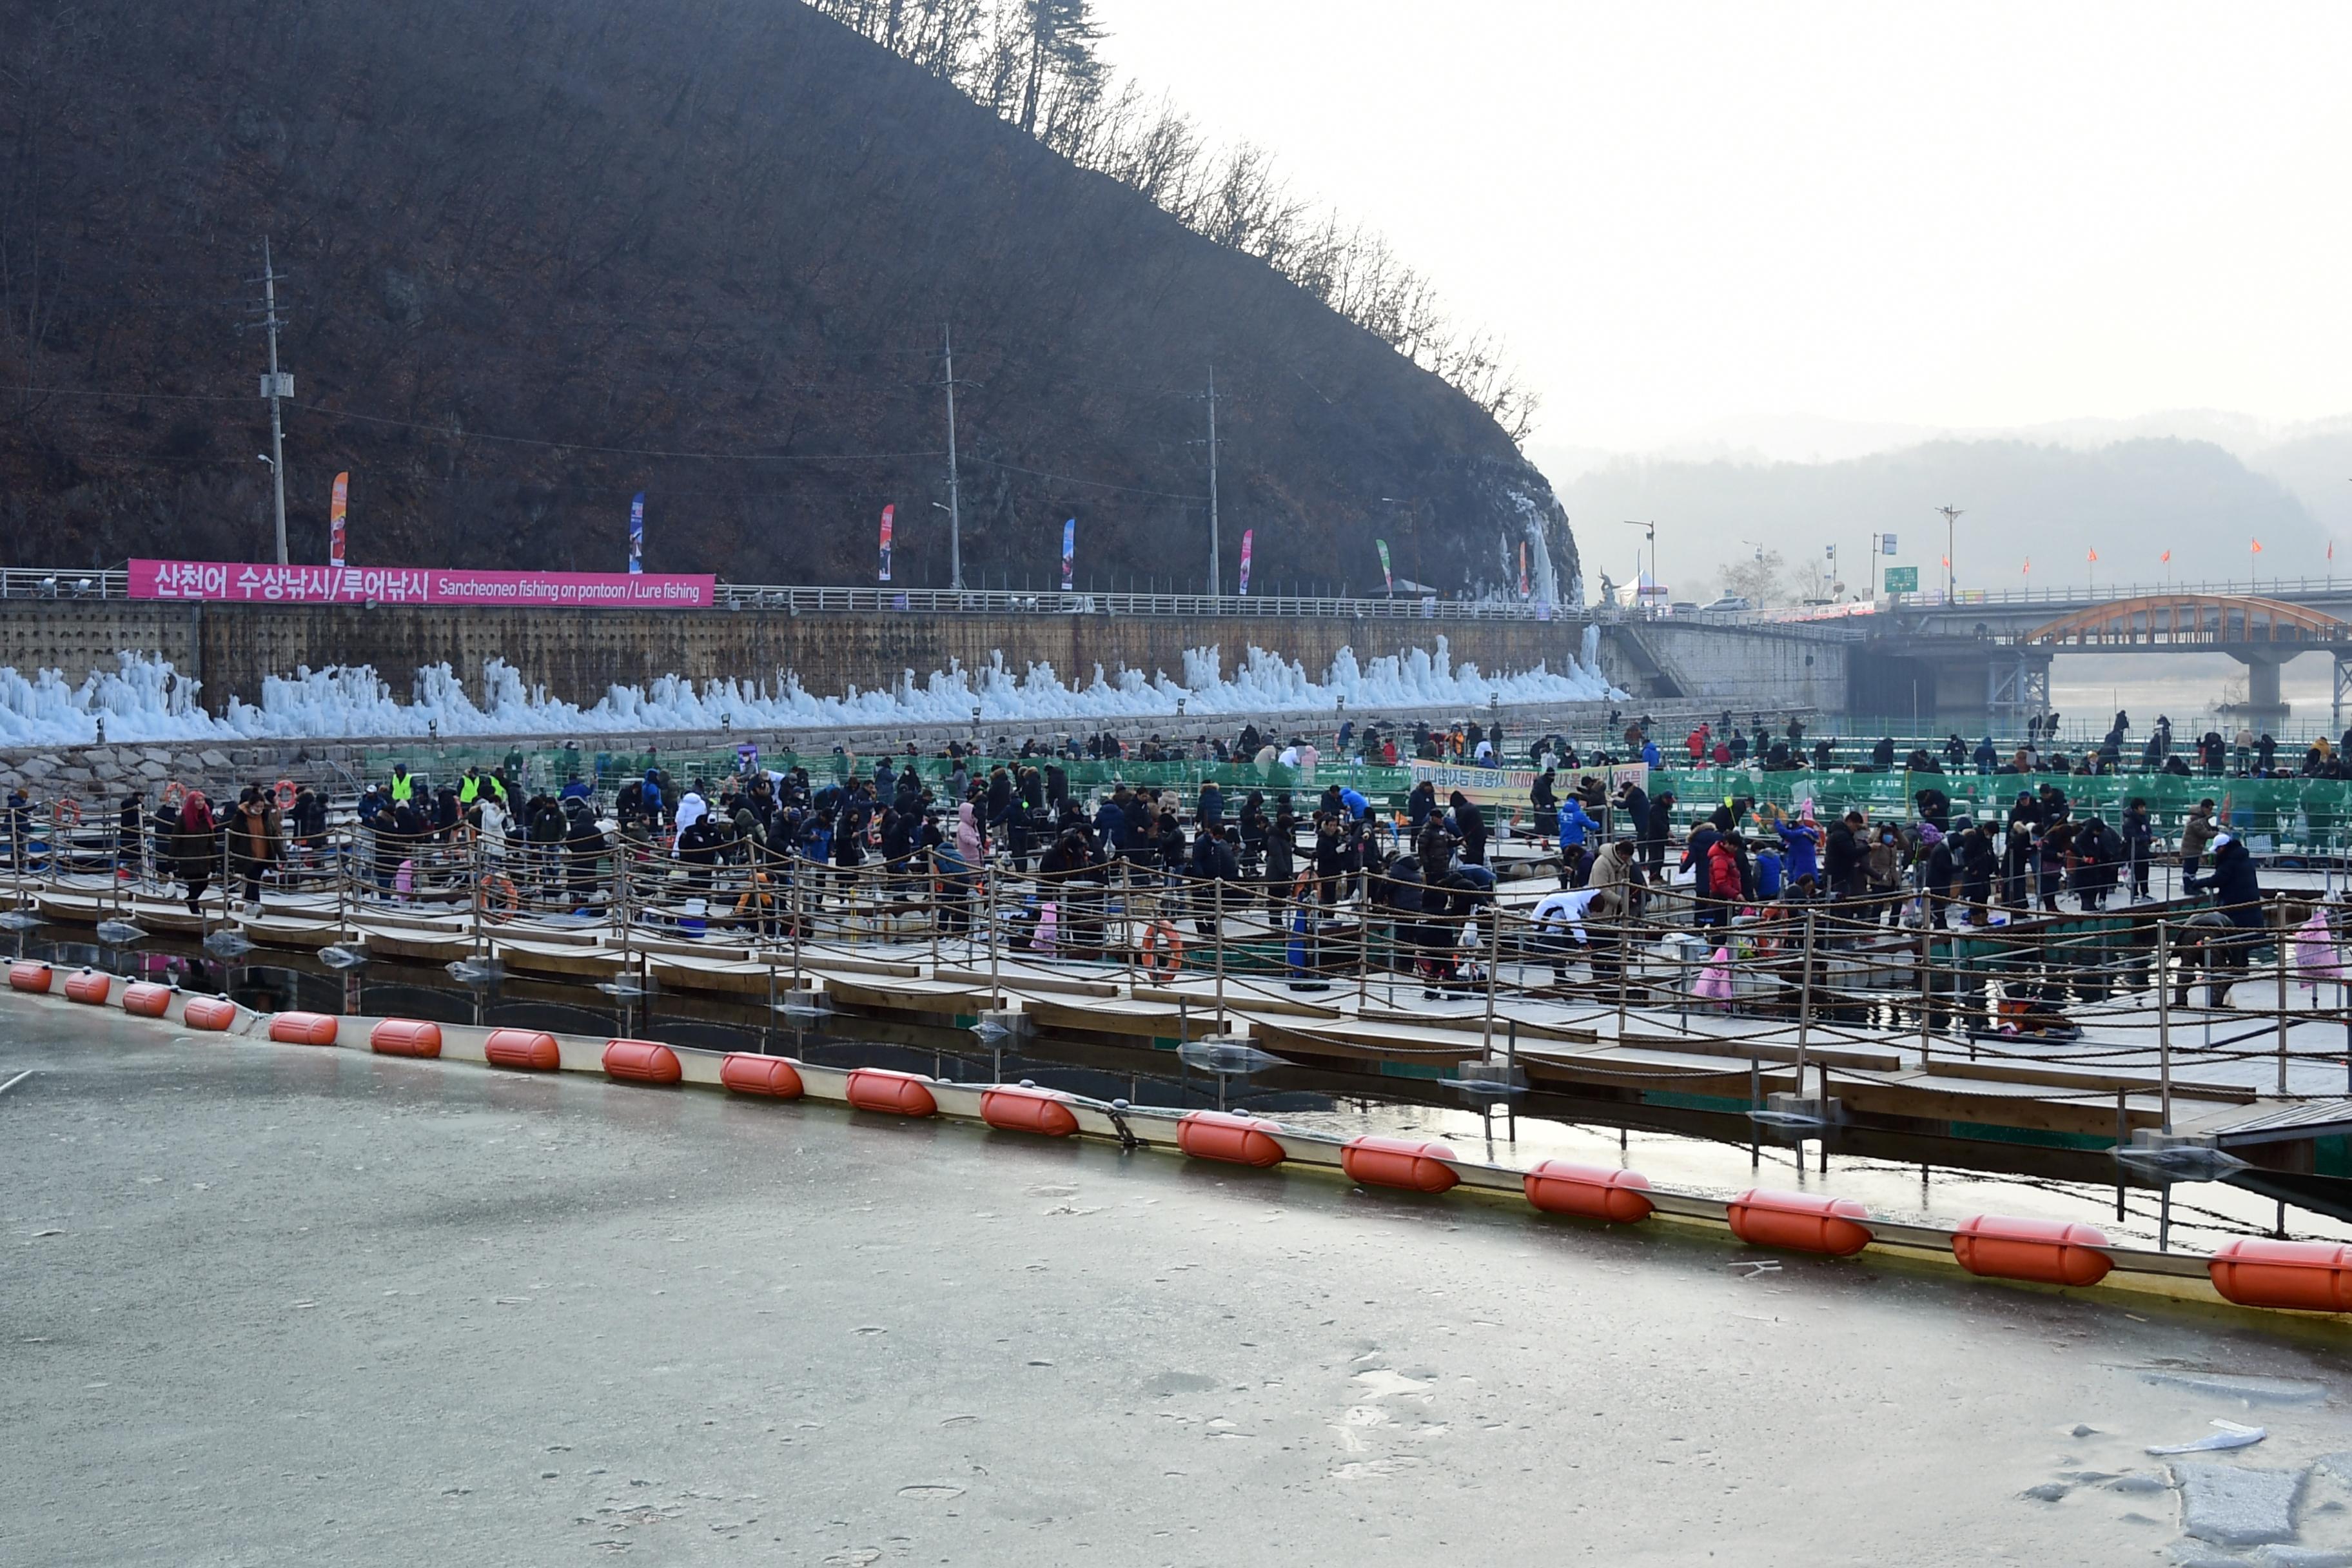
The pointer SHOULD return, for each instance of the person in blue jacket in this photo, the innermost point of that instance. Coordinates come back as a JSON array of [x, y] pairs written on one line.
[[1574, 824], [1801, 845]]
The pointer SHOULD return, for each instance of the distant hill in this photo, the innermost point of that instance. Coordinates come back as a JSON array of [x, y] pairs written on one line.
[[543, 257], [2053, 504]]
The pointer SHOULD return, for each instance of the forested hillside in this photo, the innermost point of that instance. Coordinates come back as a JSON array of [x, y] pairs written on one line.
[[542, 257]]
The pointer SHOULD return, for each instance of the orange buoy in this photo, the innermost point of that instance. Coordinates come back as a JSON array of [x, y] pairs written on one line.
[[29, 975], [1799, 1222], [531, 1050], [641, 1061], [748, 1072], [303, 1028], [146, 1000], [209, 1012], [1595, 1191], [90, 987], [406, 1037], [1405, 1163], [2300, 1276], [1023, 1109], [1235, 1140], [900, 1093], [2046, 1251]]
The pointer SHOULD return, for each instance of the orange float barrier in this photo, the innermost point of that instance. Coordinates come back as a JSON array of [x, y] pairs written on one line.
[[1403, 1163], [1799, 1222], [406, 1037], [2046, 1251], [28, 976], [898, 1093], [1595, 1191], [90, 987], [1235, 1140], [2300, 1276], [1024, 1108], [530, 1050], [749, 1072], [209, 1012], [641, 1061], [147, 1000], [303, 1028]]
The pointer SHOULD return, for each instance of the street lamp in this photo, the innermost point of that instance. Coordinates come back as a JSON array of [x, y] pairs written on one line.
[[1651, 530], [1952, 514]]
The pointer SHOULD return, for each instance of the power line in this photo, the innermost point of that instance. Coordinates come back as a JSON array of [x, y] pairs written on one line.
[[446, 433], [1074, 480]]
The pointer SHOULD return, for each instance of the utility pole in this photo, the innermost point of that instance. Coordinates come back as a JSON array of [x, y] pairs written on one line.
[[955, 504], [1217, 577], [1952, 514], [274, 386]]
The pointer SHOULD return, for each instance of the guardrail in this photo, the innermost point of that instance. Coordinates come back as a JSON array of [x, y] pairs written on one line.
[[69, 583], [42, 583]]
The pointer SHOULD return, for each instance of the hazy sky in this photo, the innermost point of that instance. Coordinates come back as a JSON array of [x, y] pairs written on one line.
[[1678, 214]]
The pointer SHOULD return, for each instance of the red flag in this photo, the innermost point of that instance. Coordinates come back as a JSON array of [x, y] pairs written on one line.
[[2094, 555], [2028, 567], [2167, 557], [2258, 546]]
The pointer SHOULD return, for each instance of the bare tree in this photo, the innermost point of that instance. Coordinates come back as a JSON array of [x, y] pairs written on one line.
[[1033, 62]]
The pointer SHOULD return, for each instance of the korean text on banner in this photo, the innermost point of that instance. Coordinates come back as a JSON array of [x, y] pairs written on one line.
[[224, 582], [1509, 787]]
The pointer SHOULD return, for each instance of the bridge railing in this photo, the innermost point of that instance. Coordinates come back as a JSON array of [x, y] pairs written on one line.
[[2258, 588]]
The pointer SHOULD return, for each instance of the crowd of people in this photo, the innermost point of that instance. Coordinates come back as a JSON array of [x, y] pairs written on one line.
[[779, 841]]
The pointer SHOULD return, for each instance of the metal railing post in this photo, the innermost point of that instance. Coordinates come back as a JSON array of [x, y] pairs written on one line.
[[2164, 1020]]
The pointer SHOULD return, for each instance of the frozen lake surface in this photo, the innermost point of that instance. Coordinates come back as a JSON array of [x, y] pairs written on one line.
[[265, 1305]]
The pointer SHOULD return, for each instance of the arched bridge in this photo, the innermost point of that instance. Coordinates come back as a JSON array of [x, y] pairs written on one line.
[[2005, 670], [2199, 622]]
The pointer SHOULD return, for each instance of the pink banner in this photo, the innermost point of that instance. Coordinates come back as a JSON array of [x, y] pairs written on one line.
[[219, 581]]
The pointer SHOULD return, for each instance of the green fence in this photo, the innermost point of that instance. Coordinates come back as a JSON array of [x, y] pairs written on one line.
[[2290, 812]]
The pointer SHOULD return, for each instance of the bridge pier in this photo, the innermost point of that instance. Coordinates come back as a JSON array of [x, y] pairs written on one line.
[[2264, 703]]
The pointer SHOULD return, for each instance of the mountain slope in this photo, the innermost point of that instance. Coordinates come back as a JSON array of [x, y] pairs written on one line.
[[545, 255], [2131, 501]]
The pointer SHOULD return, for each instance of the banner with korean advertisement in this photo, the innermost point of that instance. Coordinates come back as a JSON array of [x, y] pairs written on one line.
[[233, 583]]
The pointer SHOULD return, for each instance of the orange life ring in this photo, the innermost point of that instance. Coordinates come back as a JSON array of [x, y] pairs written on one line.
[[284, 793], [68, 812], [173, 794], [508, 901], [1163, 949]]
